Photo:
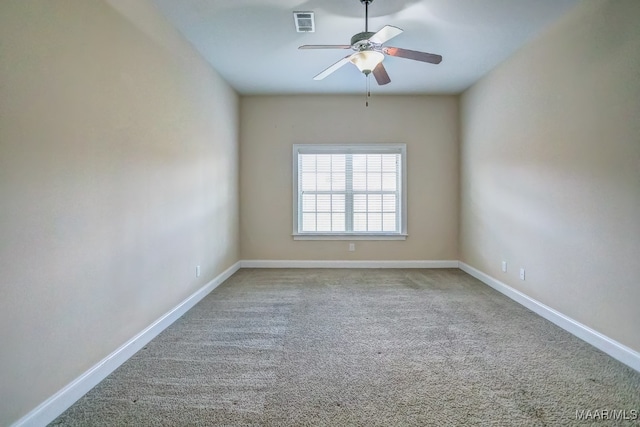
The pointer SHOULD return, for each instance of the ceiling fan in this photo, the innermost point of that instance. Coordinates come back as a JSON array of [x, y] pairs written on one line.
[[370, 53]]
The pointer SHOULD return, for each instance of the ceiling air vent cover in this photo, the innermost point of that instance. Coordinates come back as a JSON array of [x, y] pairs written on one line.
[[304, 22]]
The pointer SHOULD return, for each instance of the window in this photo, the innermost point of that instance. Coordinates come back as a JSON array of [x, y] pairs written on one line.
[[349, 191]]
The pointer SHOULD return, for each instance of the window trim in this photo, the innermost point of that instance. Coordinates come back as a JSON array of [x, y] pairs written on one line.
[[381, 148]]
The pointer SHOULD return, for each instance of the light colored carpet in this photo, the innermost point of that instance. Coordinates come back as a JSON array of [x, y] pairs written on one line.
[[290, 347]]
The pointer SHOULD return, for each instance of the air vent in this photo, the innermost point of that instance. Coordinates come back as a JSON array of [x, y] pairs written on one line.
[[304, 22]]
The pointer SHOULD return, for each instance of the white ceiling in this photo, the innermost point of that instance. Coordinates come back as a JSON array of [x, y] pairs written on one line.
[[254, 46]]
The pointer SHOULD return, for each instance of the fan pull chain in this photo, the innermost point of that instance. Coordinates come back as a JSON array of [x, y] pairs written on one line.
[[366, 98], [367, 93]]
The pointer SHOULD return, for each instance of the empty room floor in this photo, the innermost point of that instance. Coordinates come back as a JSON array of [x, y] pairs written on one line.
[[362, 347]]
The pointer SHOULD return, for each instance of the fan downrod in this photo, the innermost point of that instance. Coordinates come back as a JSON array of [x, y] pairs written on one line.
[[366, 4]]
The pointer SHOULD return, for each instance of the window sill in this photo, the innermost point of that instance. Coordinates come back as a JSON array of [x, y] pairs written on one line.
[[349, 236]]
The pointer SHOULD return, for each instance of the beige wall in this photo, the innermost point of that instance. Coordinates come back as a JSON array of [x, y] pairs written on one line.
[[550, 169], [118, 175], [270, 125]]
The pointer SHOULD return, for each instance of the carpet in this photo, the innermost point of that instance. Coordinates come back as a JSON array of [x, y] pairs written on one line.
[[361, 347]]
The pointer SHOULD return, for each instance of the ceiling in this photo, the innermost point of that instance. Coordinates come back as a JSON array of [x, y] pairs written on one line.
[[253, 44]]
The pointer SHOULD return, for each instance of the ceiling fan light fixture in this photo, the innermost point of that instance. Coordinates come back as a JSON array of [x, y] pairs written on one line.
[[367, 60]]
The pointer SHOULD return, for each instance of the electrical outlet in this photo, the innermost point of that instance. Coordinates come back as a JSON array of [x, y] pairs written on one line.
[[352, 247], [522, 274], [504, 266], [197, 271]]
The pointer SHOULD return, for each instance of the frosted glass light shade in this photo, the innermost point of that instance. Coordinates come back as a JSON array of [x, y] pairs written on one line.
[[367, 60]]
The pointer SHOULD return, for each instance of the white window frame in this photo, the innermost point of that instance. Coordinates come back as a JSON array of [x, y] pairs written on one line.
[[352, 149]]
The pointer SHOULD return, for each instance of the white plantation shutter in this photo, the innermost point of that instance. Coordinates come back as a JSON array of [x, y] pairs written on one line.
[[349, 190]]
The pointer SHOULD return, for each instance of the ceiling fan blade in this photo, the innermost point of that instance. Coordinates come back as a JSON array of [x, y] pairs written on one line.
[[380, 73], [387, 33], [325, 46], [332, 68], [413, 54]]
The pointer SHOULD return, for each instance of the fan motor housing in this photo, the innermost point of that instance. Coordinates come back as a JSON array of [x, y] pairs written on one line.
[[361, 40]]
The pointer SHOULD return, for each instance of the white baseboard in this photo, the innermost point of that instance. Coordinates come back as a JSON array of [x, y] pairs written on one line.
[[47, 411], [63, 399], [256, 263], [609, 346]]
